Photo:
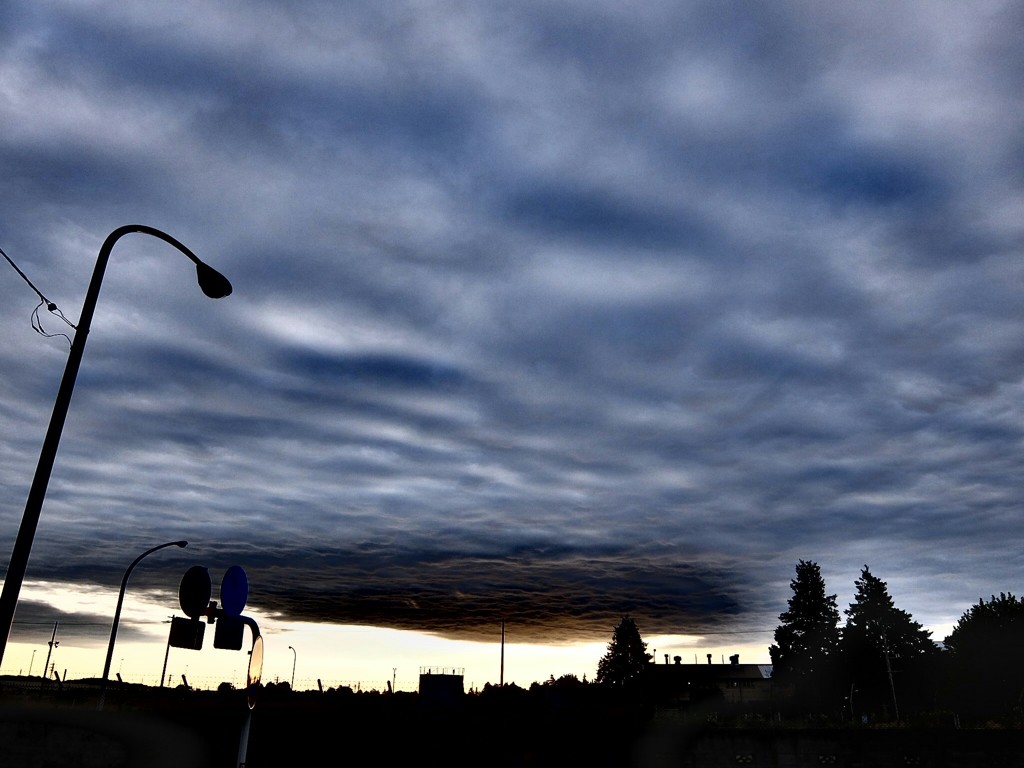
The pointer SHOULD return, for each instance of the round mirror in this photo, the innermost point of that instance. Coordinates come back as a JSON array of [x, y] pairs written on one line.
[[255, 673]]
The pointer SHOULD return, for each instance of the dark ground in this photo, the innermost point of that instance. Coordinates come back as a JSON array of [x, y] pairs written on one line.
[[157, 728]]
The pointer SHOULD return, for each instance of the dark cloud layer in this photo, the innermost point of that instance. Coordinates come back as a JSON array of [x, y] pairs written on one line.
[[550, 594], [541, 315]]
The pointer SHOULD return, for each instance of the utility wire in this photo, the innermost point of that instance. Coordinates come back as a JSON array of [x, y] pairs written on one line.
[[52, 308]]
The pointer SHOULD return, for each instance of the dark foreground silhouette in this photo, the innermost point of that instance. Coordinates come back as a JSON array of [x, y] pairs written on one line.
[[500, 726]]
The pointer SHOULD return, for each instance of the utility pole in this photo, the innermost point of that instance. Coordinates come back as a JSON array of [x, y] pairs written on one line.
[[53, 643], [167, 652], [888, 669], [892, 686], [502, 678]]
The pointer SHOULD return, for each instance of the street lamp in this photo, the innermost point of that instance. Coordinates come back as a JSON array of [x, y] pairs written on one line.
[[117, 611], [212, 283], [295, 658]]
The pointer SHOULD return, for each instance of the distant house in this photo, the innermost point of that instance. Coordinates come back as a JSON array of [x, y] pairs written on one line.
[[744, 687], [441, 686]]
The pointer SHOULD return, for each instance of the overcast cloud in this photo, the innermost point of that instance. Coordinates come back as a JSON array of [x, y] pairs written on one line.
[[542, 313]]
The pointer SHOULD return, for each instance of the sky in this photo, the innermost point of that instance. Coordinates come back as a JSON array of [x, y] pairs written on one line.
[[543, 314]]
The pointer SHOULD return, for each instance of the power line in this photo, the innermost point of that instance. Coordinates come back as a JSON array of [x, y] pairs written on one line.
[[73, 623], [51, 307]]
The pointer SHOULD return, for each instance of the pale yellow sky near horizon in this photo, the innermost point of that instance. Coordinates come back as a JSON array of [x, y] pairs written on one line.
[[357, 656]]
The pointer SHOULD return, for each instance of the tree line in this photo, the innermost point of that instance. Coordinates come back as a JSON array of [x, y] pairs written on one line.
[[880, 664], [883, 664]]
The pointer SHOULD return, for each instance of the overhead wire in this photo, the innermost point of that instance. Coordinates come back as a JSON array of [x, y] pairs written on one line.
[[51, 307]]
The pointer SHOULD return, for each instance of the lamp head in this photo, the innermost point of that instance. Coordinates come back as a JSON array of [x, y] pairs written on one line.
[[213, 283], [181, 544]]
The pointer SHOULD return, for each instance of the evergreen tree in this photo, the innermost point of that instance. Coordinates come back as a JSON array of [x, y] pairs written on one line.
[[807, 641], [626, 657], [984, 657], [879, 643]]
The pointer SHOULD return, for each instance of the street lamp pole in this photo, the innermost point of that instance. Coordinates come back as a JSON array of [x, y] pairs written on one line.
[[295, 658], [212, 283], [117, 611]]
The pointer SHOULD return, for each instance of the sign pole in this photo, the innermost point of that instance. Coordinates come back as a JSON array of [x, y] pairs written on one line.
[[243, 742], [252, 682]]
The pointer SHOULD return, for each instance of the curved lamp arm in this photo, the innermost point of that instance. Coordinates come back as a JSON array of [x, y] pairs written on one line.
[[120, 601], [212, 283]]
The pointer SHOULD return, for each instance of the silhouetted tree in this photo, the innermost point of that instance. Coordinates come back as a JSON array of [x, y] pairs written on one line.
[[565, 681], [805, 653], [881, 643], [985, 657], [626, 657]]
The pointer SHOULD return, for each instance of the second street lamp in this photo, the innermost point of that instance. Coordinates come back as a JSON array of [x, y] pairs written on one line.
[[212, 283], [117, 611], [295, 658]]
